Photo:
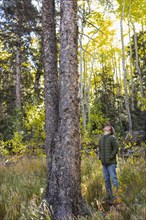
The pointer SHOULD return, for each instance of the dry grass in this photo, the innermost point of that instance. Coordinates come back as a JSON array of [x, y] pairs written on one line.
[[22, 186]]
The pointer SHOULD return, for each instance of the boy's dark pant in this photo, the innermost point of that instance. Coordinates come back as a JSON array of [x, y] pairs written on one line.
[[109, 173]]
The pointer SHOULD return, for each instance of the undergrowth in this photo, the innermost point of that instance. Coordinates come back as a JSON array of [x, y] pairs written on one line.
[[22, 186]]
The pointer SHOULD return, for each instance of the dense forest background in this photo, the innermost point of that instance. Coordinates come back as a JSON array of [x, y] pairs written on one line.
[[112, 68], [45, 173]]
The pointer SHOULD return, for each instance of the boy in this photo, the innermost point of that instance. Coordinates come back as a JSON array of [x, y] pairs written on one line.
[[108, 149]]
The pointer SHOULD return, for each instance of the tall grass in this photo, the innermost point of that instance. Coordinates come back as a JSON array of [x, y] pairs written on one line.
[[22, 186], [132, 194], [21, 189]]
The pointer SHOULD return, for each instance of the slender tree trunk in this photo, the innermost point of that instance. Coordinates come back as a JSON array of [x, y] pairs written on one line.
[[125, 73], [117, 94], [95, 83], [18, 76], [120, 78], [117, 76], [51, 91], [144, 44], [104, 87], [120, 94], [85, 102], [38, 74], [18, 85], [113, 82], [137, 60], [131, 72], [89, 91], [144, 52]]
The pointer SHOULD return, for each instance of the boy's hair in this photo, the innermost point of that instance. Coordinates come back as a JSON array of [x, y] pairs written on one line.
[[111, 128], [112, 131]]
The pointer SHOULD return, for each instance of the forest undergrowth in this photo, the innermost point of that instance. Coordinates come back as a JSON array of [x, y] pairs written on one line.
[[22, 184]]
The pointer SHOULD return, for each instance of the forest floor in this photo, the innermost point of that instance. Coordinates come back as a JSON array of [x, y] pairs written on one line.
[[23, 180]]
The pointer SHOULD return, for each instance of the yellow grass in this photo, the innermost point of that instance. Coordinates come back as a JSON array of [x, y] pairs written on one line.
[[22, 186]]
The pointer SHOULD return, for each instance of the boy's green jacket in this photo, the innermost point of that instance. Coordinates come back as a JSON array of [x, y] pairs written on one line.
[[108, 148]]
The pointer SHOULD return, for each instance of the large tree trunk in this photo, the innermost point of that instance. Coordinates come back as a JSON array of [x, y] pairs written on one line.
[[67, 178], [51, 88], [63, 135], [125, 74]]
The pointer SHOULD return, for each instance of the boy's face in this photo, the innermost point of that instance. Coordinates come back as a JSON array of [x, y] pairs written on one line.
[[107, 128]]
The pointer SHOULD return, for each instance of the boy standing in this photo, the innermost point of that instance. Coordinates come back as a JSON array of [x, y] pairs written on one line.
[[108, 149]]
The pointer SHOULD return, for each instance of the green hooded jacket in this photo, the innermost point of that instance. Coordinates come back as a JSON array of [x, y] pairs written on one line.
[[108, 148]]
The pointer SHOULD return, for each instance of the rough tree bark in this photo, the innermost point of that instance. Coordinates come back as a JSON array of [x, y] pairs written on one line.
[[51, 87], [63, 191], [81, 79]]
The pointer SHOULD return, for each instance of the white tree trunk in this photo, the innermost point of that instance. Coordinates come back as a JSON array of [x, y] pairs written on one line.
[[131, 72], [89, 90], [120, 93], [125, 73], [137, 60]]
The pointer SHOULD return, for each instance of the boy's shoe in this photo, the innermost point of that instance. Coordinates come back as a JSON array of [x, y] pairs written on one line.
[[118, 195], [113, 198], [107, 197]]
